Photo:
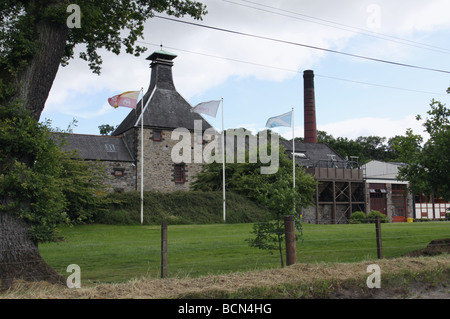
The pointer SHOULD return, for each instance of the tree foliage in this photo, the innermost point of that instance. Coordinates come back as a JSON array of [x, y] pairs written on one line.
[[281, 199], [102, 27], [106, 129], [39, 182], [366, 148], [427, 166], [35, 39]]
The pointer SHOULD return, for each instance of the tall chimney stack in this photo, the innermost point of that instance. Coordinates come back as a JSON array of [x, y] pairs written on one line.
[[310, 135]]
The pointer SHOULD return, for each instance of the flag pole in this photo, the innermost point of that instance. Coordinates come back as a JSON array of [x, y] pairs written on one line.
[[293, 157], [142, 156], [293, 149], [223, 167]]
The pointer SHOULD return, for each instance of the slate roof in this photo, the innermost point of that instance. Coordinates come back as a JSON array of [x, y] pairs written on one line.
[[97, 147], [167, 109], [315, 154]]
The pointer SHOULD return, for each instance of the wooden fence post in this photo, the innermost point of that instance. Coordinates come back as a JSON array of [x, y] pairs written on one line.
[[164, 249], [378, 234], [289, 231]]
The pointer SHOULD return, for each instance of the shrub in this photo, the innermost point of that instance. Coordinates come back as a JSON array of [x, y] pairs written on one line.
[[372, 217], [357, 218]]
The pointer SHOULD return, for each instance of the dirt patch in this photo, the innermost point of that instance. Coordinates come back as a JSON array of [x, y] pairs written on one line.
[[434, 248]]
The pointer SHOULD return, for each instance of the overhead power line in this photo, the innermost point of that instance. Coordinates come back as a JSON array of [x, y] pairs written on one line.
[[337, 25], [292, 70], [302, 45]]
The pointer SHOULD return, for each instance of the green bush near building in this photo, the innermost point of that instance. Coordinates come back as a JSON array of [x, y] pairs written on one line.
[[361, 218]]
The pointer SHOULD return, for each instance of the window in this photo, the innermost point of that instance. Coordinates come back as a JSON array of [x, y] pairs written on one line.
[[377, 193], [110, 147], [399, 190], [118, 172], [157, 135], [179, 173], [300, 154]]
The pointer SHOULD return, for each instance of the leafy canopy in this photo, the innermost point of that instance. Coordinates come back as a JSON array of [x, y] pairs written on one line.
[[109, 25], [428, 164], [39, 182]]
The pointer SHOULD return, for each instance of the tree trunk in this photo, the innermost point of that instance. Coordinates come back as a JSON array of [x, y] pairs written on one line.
[[19, 254], [35, 81]]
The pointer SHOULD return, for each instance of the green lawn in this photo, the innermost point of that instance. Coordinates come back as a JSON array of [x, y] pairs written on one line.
[[108, 253]]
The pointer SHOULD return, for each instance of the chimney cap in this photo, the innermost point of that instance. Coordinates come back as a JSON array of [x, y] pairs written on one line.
[[308, 76], [161, 55]]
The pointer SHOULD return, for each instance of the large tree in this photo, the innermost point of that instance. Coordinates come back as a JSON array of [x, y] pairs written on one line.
[[35, 39], [427, 165]]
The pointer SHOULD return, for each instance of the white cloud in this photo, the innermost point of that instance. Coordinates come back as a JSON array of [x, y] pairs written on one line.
[[367, 126], [195, 74]]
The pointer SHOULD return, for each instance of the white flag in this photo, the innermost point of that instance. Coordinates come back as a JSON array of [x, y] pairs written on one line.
[[280, 120], [208, 108]]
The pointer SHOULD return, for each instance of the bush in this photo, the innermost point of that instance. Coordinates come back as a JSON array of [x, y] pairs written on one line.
[[372, 217], [361, 218], [357, 218]]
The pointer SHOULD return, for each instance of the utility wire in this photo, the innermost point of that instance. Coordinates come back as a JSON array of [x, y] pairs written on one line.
[[340, 26], [302, 45], [292, 70]]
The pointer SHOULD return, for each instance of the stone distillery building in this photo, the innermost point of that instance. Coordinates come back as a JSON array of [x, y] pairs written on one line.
[[340, 184], [164, 110]]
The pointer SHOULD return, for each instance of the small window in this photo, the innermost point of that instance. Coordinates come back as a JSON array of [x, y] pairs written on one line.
[[300, 154], [157, 135], [110, 147], [179, 173], [118, 172]]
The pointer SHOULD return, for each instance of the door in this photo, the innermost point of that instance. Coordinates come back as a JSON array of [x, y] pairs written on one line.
[[378, 197], [399, 203]]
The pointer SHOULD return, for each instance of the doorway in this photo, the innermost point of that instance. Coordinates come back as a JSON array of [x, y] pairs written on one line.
[[378, 197], [399, 193]]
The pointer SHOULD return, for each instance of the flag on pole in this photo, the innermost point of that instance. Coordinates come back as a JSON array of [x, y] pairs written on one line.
[[127, 99], [280, 120], [208, 108]]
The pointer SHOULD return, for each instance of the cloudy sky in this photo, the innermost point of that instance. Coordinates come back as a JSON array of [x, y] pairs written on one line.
[[260, 78]]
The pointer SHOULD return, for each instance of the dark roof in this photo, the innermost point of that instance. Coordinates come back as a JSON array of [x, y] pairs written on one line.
[[314, 154], [97, 147], [167, 109]]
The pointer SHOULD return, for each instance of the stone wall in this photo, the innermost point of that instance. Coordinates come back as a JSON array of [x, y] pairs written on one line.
[[121, 176], [158, 164]]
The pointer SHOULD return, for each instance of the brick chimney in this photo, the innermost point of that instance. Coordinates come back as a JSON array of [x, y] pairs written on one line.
[[310, 135]]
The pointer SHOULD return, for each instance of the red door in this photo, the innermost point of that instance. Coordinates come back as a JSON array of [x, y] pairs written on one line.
[[398, 203]]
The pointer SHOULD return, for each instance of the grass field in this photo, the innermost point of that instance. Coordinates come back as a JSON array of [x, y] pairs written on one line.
[[108, 253]]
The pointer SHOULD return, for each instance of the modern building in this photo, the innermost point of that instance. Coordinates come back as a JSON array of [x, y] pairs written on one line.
[[390, 196]]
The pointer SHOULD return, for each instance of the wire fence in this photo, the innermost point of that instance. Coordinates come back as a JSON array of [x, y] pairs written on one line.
[[106, 253]]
